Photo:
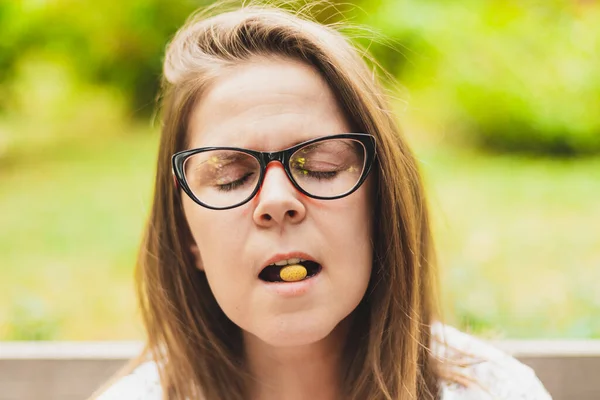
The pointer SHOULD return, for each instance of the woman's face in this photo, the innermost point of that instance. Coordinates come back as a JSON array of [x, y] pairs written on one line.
[[270, 105]]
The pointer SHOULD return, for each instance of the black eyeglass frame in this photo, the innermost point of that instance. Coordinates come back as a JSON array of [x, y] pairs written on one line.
[[265, 158]]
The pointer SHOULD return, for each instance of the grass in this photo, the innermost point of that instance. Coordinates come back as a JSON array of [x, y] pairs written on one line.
[[517, 238], [519, 250], [72, 217]]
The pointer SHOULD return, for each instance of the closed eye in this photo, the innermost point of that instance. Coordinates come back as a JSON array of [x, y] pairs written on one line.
[[227, 187], [321, 175]]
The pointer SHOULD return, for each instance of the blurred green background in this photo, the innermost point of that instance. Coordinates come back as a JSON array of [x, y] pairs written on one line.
[[500, 100]]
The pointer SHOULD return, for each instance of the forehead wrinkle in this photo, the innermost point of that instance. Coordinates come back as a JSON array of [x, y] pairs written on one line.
[[267, 134], [236, 111], [249, 75]]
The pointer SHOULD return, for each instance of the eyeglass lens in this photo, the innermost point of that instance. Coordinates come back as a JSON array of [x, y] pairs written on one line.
[[223, 178]]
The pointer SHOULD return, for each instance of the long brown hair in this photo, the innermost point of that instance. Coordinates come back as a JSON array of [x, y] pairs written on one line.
[[197, 348]]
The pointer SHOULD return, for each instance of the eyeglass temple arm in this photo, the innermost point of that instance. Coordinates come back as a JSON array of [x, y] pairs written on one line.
[[175, 181]]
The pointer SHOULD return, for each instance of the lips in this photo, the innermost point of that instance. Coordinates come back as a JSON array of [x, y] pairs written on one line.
[[270, 272]]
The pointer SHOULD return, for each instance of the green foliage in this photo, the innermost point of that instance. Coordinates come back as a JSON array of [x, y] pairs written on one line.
[[509, 76], [505, 75], [29, 319], [116, 43], [76, 173], [72, 215], [72, 218]]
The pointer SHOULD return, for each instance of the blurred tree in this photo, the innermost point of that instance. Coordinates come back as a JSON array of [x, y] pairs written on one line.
[[512, 76], [508, 75], [118, 43], [110, 42]]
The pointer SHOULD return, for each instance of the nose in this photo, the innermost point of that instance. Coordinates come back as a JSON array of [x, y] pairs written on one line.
[[277, 199]]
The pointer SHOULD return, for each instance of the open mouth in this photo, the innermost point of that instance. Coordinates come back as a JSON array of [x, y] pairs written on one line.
[[272, 273]]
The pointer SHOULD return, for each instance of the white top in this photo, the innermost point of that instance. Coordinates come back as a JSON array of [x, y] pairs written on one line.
[[502, 376]]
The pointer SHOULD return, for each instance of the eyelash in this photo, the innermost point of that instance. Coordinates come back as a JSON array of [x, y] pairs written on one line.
[[319, 175], [235, 184]]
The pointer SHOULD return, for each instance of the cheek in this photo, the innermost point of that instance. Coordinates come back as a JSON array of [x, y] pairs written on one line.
[[354, 217], [218, 234], [221, 237], [347, 226]]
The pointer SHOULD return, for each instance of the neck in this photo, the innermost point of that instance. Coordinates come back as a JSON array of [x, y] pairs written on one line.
[[310, 371]]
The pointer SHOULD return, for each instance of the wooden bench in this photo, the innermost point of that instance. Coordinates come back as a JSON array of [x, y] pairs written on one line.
[[72, 371]]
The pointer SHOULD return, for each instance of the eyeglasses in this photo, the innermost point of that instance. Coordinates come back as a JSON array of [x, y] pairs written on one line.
[[326, 168]]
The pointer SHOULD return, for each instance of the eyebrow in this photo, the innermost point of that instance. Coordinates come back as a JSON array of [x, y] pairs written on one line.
[[231, 156], [256, 148], [297, 142]]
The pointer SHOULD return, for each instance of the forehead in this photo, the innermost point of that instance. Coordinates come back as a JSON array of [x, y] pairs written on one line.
[[265, 104]]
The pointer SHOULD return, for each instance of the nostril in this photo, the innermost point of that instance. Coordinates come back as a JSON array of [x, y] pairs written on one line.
[[290, 213]]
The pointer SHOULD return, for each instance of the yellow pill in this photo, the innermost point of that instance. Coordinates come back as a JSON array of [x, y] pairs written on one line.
[[292, 273]]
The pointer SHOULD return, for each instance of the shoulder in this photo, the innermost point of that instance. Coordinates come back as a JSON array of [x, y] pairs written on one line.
[[492, 373], [142, 383]]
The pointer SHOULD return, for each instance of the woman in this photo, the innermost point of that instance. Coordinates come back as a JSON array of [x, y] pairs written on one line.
[[288, 253]]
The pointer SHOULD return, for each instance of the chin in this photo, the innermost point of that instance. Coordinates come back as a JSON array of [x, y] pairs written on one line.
[[295, 333]]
